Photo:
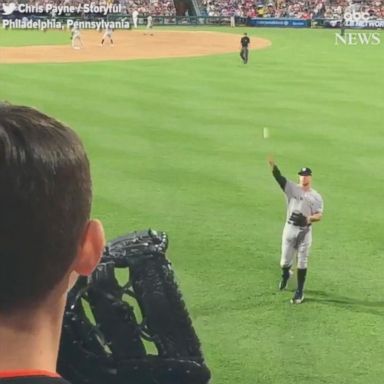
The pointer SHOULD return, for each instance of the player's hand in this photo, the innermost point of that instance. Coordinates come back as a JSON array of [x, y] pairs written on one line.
[[271, 161]]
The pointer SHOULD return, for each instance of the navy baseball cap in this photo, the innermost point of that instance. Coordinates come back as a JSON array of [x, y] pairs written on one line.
[[305, 172]]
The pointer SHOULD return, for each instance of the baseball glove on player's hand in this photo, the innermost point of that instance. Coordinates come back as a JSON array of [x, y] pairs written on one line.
[[298, 219], [109, 328]]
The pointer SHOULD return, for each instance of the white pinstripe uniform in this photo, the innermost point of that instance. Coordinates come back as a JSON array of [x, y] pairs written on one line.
[[108, 32], [298, 239], [76, 39], [304, 205], [149, 22]]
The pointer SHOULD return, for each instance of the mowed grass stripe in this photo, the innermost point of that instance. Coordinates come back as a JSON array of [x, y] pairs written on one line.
[[176, 144]]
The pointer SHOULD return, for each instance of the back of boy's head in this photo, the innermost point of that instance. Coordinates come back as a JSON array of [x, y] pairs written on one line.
[[45, 201]]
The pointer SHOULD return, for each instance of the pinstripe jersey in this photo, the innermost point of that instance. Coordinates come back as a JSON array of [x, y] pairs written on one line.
[[305, 202]]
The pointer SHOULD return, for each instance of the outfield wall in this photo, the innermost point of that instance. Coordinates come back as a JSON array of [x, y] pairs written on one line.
[[279, 22], [124, 21]]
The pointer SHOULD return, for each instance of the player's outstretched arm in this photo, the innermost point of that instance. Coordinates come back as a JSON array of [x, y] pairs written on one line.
[[281, 180]]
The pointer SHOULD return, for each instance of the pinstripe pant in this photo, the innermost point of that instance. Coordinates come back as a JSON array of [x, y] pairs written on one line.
[[296, 240]]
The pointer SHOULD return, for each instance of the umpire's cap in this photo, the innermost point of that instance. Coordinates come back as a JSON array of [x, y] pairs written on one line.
[[305, 172]]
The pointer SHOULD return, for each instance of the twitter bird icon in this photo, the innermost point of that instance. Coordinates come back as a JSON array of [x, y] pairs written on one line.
[[8, 9]]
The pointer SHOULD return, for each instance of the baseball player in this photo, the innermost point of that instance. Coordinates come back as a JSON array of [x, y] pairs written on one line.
[[149, 22], [108, 33], [149, 26], [342, 26], [135, 17], [245, 41], [233, 21], [76, 38], [305, 207]]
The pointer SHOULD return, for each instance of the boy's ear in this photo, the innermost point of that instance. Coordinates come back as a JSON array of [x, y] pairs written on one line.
[[90, 248]]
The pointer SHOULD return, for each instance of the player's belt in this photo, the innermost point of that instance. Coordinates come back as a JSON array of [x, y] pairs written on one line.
[[295, 225]]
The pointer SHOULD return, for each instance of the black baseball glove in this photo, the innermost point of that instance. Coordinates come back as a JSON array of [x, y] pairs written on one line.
[[298, 219], [138, 332]]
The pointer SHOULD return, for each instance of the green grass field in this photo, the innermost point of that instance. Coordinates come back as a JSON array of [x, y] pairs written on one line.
[[177, 145]]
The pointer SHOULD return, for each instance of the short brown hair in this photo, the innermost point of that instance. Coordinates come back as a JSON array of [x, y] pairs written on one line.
[[45, 201]]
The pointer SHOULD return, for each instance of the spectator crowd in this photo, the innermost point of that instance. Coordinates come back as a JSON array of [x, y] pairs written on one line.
[[144, 7], [302, 9]]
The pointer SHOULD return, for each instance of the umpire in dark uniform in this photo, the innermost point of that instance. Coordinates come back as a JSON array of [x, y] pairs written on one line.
[[245, 41]]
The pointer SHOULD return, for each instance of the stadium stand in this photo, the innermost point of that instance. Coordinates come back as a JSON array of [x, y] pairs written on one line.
[[144, 7], [302, 9]]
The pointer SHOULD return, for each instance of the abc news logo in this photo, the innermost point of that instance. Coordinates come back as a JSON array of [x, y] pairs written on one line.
[[357, 38]]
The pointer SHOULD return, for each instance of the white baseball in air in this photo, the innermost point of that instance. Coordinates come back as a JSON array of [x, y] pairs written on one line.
[[265, 133]]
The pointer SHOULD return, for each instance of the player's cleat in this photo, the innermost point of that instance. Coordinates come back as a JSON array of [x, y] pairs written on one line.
[[284, 281], [283, 284], [298, 297]]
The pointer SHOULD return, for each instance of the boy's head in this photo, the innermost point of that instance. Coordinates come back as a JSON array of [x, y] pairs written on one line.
[[45, 202]]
